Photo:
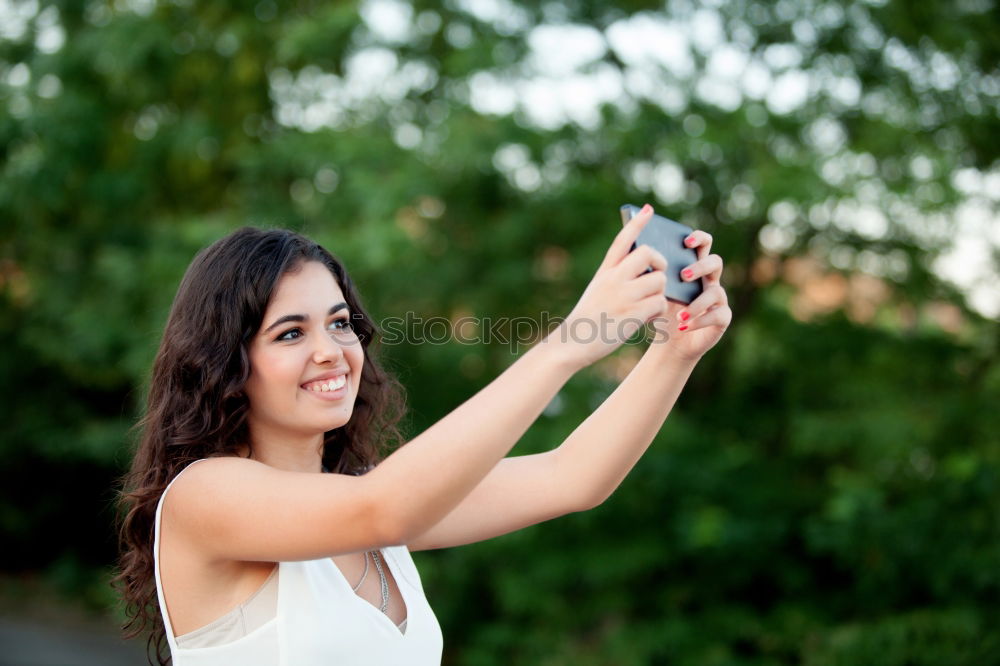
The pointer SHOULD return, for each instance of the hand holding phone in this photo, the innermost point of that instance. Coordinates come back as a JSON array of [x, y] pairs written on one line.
[[620, 298], [667, 237]]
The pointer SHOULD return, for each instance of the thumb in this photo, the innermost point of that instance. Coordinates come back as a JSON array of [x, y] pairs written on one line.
[[622, 244]]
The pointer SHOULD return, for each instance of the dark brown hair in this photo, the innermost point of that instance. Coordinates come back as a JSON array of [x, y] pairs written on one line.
[[196, 407]]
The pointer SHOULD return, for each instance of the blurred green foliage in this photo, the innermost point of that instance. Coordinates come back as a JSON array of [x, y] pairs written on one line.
[[827, 491]]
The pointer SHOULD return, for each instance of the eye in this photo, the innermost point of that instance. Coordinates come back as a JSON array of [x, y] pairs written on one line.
[[287, 335], [342, 325]]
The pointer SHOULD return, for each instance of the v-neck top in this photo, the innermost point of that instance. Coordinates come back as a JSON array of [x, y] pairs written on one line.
[[320, 620]]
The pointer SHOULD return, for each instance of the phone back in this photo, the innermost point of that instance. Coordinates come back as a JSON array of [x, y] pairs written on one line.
[[667, 238]]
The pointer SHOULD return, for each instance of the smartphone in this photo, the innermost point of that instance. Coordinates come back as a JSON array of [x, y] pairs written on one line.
[[667, 237]]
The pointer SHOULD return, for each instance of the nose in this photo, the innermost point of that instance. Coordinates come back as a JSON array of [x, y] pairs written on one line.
[[327, 351]]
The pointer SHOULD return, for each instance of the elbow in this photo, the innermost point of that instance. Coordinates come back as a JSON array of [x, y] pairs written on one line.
[[395, 520], [385, 512], [578, 489], [587, 501], [389, 526]]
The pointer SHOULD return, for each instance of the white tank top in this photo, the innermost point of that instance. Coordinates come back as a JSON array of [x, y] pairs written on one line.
[[321, 621]]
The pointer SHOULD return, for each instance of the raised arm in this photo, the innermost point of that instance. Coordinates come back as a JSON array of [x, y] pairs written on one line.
[[590, 464], [579, 474], [603, 449], [243, 510]]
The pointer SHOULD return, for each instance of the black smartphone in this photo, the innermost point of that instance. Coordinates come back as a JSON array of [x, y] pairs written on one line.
[[667, 237]]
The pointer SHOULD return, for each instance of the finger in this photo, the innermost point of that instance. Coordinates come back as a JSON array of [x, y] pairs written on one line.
[[642, 258], [622, 243], [651, 307], [674, 308], [647, 285], [721, 316], [712, 298], [709, 268], [644, 311], [700, 241], [666, 318]]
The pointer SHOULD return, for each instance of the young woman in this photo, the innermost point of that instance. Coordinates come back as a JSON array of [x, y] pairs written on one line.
[[266, 378]]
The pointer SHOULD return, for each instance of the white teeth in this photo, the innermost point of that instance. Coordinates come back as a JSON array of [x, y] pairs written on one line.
[[332, 385]]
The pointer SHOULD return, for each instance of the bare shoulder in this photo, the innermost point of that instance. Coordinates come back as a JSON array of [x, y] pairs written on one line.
[[208, 480], [200, 582], [187, 507], [231, 508], [210, 471]]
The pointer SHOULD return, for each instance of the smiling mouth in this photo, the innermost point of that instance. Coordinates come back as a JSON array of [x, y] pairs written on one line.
[[326, 385]]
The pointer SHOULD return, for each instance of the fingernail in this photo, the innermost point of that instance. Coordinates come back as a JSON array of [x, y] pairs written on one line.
[[646, 208], [682, 328], [685, 316], [689, 241], [688, 273]]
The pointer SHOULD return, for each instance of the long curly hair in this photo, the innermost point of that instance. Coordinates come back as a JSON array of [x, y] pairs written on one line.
[[196, 407]]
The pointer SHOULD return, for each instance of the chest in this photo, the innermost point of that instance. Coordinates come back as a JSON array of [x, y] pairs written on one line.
[[322, 619]]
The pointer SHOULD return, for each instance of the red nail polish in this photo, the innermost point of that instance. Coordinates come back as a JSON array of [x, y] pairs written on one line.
[[688, 273], [682, 328], [685, 316], [689, 241]]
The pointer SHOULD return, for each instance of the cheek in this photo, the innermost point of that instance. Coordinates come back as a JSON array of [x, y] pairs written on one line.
[[357, 361], [274, 376]]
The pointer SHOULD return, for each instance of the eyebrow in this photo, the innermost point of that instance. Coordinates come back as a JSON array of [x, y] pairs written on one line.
[[302, 317]]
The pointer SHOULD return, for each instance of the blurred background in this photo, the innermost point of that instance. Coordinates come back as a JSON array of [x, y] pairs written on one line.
[[827, 491]]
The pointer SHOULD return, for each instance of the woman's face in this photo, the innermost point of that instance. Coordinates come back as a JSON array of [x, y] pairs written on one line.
[[306, 360]]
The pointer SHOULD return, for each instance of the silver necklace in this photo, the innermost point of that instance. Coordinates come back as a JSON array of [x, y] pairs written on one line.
[[385, 584], [364, 575]]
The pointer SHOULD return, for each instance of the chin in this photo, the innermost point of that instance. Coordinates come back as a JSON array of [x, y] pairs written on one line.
[[338, 423]]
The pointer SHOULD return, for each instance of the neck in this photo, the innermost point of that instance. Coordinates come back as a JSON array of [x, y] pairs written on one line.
[[292, 452]]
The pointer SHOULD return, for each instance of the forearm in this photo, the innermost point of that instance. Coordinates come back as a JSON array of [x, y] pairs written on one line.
[[425, 479], [598, 455]]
